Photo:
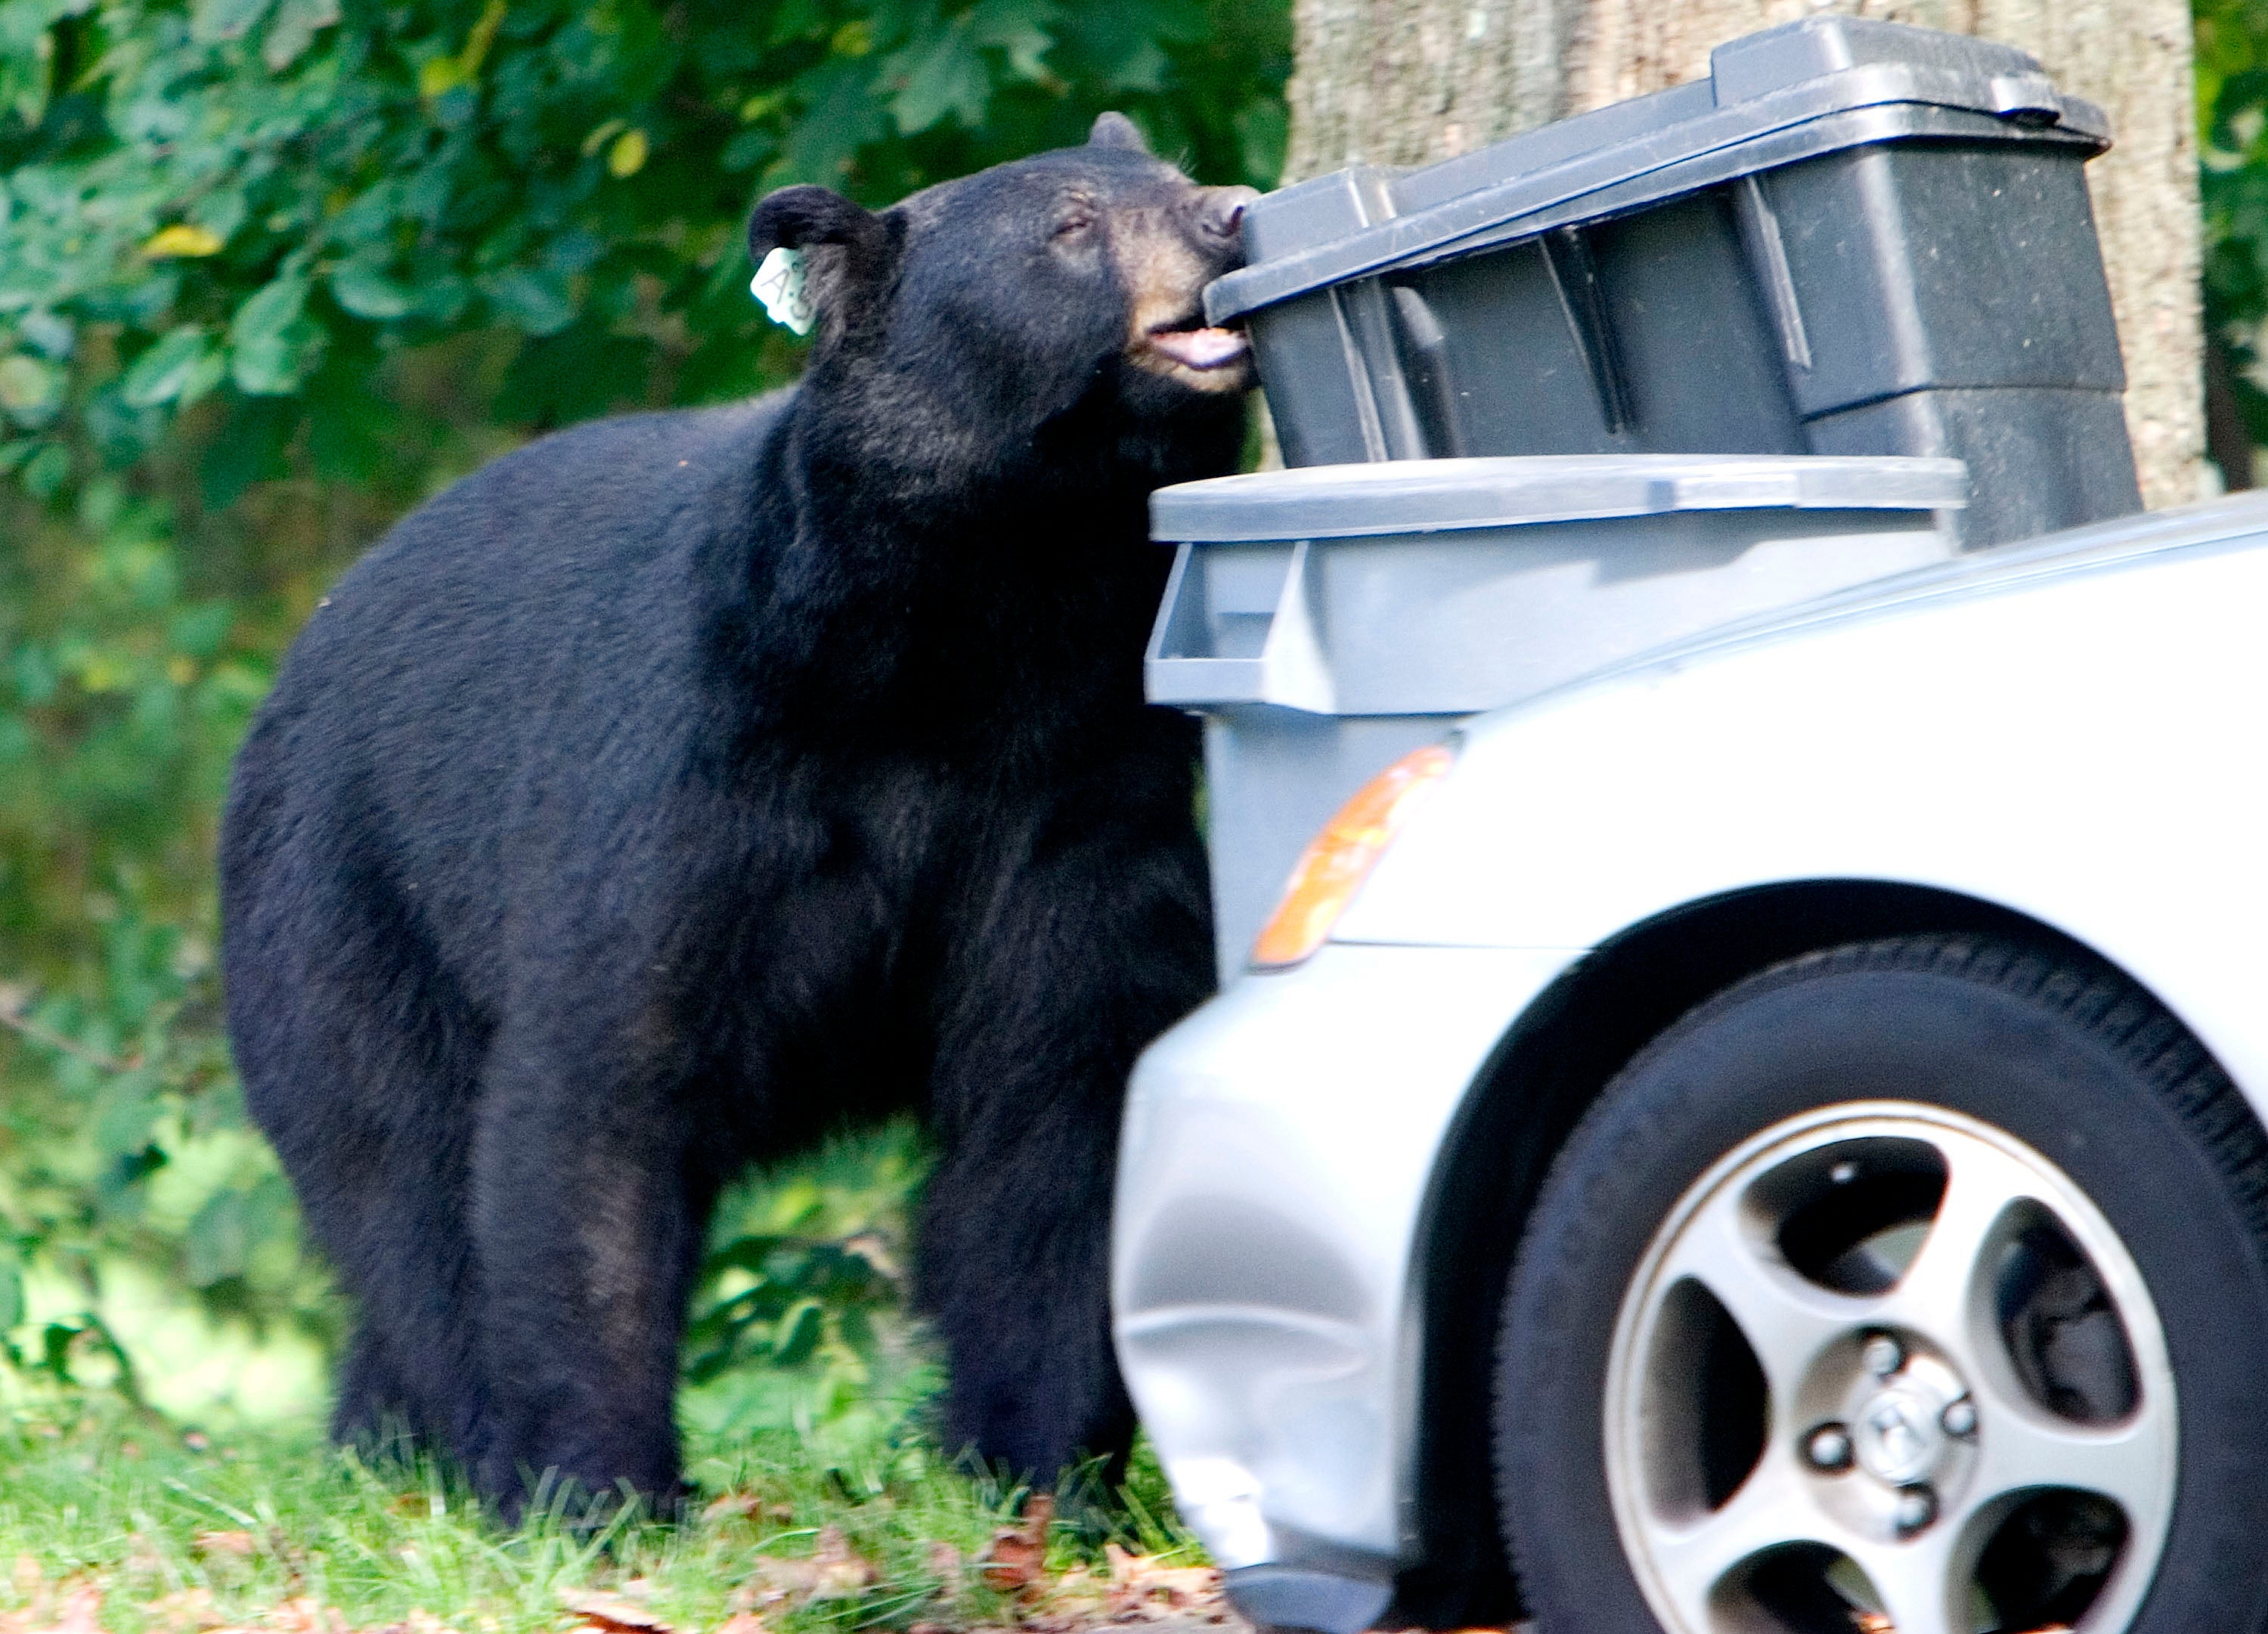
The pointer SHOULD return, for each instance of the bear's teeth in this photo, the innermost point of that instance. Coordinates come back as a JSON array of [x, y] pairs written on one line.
[[1200, 348]]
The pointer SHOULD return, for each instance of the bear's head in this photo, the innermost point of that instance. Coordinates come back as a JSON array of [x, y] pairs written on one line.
[[984, 316]]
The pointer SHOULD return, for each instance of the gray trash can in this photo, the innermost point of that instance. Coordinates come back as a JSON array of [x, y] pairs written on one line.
[[1853, 238], [1326, 621]]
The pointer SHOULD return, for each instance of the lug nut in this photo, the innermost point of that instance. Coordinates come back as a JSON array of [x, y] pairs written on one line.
[[1959, 1418], [1829, 1448], [1916, 1507], [1883, 1356]]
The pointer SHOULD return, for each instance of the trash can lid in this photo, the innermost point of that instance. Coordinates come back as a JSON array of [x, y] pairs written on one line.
[[1429, 496], [1776, 98]]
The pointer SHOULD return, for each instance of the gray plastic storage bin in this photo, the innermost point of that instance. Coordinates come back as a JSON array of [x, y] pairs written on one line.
[[1853, 238], [1326, 621]]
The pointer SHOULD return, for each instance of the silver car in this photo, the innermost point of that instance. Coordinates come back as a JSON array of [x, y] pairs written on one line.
[[1767, 1137]]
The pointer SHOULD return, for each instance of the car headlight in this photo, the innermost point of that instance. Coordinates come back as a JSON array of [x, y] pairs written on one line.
[[1337, 860]]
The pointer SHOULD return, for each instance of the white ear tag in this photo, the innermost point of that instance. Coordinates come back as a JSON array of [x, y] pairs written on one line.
[[779, 285]]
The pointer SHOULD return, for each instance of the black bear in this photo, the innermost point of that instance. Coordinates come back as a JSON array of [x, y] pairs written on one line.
[[684, 785]]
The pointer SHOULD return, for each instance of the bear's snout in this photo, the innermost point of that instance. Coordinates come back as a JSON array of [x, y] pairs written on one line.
[[1166, 258]]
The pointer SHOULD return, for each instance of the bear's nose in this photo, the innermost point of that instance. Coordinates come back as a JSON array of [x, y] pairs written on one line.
[[1220, 210]]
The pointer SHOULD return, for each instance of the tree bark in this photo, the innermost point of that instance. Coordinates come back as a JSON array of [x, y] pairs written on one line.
[[1403, 82]]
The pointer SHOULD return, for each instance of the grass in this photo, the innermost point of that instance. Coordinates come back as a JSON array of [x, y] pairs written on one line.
[[274, 1529], [822, 1505]]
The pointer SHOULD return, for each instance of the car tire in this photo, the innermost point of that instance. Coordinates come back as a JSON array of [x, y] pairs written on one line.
[[1918, 1285]]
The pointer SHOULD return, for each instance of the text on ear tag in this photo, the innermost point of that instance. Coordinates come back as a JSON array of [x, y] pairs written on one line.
[[779, 285]]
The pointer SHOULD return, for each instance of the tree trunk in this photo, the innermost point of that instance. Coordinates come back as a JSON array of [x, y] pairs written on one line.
[[1402, 82]]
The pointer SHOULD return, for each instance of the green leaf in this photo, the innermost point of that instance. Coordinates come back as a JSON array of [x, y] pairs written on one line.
[[360, 284], [536, 302], [181, 367], [47, 471], [47, 334], [800, 1331], [1142, 68], [843, 113], [1020, 28], [220, 1242], [211, 21], [296, 24], [273, 346], [940, 76], [1264, 131], [31, 392], [197, 631]]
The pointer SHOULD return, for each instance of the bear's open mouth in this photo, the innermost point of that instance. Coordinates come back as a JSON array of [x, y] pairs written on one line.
[[1191, 343]]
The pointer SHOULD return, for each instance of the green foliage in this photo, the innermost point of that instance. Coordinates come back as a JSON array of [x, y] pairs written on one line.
[[800, 1315], [2231, 96], [271, 271]]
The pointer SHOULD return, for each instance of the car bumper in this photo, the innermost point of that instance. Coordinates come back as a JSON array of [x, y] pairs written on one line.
[[1279, 1147]]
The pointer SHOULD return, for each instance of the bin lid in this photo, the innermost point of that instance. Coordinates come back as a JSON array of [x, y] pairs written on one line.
[[1429, 496], [1777, 98]]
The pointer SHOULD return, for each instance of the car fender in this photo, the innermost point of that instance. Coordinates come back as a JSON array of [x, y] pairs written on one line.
[[2084, 753]]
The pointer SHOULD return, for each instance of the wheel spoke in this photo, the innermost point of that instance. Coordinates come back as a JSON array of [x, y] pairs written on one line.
[[1785, 1320], [1937, 1294], [1768, 1511], [1924, 1582], [2021, 1447]]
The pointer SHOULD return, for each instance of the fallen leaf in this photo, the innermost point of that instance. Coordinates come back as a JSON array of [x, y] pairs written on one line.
[[751, 1505], [82, 1611], [184, 1611], [615, 1614], [243, 1545], [832, 1570], [419, 1621], [302, 1615], [143, 1558], [841, 1570], [945, 1561], [742, 1623], [1016, 1559], [1143, 1587]]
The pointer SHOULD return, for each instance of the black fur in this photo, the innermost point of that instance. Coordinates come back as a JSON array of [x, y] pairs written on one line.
[[682, 786]]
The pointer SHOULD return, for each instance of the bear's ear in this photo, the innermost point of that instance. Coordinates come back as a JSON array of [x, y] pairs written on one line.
[[848, 249], [796, 218], [1115, 130]]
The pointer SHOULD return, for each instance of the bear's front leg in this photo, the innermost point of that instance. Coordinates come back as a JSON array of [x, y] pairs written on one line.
[[589, 1202], [1090, 945]]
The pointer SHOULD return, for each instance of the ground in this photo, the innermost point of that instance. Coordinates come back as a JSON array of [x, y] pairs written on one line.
[[116, 1523], [821, 1503]]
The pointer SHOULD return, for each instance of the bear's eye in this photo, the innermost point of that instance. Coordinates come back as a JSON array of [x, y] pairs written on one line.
[[1074, 222]]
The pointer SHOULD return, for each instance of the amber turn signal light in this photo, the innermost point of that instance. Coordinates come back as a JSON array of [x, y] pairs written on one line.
[[1337, 860]]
